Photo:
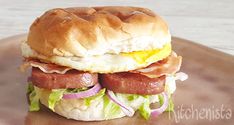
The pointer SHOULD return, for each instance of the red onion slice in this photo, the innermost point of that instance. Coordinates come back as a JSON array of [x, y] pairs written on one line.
[[158, 111], [83, 94], [126, 109]]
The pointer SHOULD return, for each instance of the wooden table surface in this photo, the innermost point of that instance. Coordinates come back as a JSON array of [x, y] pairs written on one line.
[[209, 22]]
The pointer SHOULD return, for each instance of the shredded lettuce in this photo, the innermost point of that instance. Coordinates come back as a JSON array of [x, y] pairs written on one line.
[[30, 88], [98, 96], [57, 94], [34, 101], [170, 107], [76, 90], [144, 109], [132, 97], [34, 97], [54, 97], [138, 102], [111, 109], [160, 97]]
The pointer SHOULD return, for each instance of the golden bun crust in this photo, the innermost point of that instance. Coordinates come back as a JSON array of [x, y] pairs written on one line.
[[89, 31]]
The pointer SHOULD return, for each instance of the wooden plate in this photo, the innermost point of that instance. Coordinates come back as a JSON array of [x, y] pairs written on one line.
[[207, 97]]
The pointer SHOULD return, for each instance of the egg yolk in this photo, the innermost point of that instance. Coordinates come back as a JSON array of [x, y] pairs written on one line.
[[149, 56]]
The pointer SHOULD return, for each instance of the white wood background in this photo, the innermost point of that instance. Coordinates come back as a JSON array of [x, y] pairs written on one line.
[[209, 22]]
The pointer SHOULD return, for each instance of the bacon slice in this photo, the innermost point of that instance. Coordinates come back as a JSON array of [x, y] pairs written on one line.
[[167, 66], [45, 67]]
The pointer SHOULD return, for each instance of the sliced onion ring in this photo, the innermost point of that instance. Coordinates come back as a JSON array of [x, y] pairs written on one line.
[[83, 94], [158, 111], [126, 109]]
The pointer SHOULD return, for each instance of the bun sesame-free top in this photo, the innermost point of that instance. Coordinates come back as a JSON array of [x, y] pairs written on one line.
[[86, 31]]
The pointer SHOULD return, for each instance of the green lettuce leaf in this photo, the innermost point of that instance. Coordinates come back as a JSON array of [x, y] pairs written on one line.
[[170, 107], [54, 97], [34, 97], [34, 101], [30, 88], [132, 97], [76, 90], [144, 109], [111, 109], [142, 100], [98, 96]]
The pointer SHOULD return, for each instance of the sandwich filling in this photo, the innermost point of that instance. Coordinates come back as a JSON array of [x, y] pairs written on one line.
[[121, 92]]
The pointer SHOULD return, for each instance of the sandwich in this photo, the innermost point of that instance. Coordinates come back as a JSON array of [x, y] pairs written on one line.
[[101, 63]]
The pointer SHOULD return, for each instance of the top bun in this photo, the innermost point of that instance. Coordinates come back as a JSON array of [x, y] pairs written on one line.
[[91, 31]]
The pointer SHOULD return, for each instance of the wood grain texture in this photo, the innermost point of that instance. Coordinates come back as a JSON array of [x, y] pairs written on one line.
[[209, 22], [210, 86]]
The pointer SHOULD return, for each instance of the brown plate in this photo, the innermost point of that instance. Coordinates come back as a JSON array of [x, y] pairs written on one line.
[[207, 97]]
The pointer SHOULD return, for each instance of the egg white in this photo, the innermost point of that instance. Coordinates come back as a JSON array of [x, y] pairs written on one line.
[[107, 63]]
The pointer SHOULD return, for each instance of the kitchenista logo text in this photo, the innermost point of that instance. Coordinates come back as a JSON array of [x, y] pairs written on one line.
[[208, 113]]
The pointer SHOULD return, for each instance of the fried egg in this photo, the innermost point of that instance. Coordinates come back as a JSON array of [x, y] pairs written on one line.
[[107, 63]]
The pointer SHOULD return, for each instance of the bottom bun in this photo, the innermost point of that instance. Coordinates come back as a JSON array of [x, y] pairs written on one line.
[[76, 109]]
